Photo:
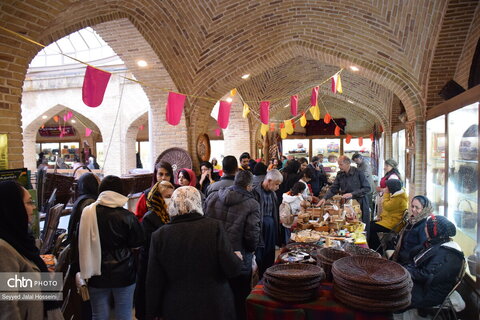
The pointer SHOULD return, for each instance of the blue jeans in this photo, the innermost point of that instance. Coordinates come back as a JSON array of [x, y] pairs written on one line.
[[122, 299]]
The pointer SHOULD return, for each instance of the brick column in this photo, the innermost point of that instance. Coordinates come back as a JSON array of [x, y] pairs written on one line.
[[237, 134]]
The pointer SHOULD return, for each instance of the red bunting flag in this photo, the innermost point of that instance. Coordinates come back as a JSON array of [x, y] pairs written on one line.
[[314, 97], [224, 114], [371, 137], [94, 85], [175, 104], [272, 126], [337, 131], [218, 132], [88, 132], [56, 118], [69, 115], [360, 141], [381, 129], [348, 139], [65, 118], [264, 111], [141, 127], [294, 105], [334, 85], [43, 126], [327, 118], [282, 125], [293, 124]]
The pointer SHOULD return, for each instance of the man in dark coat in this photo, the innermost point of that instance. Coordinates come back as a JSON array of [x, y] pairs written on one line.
[[230, 168], [239, 213], [320, 177], [190, 262], [266, 197], [351, 183]]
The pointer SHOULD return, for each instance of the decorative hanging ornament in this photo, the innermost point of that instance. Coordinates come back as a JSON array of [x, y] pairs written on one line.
[[371, 137], [94, 85], [272, 127], [283, 133], [224, 114], [337, 131], [315, 111], [314, 97], [88, 132], [288, 126], [294, 105], [293, 123], [218, 132], [246, 110], [339, 84], [303, 120], [233, 92], [360, 141], [327, 118], [69, 115], [65, 118], [264, 129], [348, 139], [56, 118], [175, 104], [264, 111]]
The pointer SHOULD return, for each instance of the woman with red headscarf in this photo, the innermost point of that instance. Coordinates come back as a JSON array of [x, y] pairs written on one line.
[[186, 177]]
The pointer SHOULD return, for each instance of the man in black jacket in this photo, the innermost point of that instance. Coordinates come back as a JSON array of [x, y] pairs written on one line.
[[230, 168], [239, 213]]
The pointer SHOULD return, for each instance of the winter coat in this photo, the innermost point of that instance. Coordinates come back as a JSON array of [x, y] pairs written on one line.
[[294, 203], [190, 262], [434, 273], [394, 206], [239, 212], [257, 195], [13, 261], [224, 182], [412, 242], [258, 180], [120, 232]]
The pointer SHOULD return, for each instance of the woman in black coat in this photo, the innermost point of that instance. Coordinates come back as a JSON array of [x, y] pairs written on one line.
[[435, 269], [190, 262]]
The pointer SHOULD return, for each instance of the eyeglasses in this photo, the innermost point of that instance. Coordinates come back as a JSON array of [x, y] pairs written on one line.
[[31, 202]]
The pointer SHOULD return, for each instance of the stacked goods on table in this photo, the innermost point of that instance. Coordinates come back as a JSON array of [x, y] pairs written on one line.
[[299, 253], [293, 282], [326, 257], [371, 284]]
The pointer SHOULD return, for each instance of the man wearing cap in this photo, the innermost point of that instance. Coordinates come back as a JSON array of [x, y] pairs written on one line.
[[351, 184], [435, 269]]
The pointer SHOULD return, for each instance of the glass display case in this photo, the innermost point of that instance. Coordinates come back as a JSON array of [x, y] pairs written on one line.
[[436, 153], [330, 148], [295, 147]]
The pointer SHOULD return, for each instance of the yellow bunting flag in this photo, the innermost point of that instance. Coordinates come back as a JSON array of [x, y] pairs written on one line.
[[264, 129], [288, 126], [339, 84], [315, 111], [233, 92], [303, 120], [283, 133], [246, 110]]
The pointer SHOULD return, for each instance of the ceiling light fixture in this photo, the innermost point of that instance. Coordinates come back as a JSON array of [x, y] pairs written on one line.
[[353, 68], [229, 99], [350, 101], [73, 121], [44, 117], [142, 63], [246, 76]]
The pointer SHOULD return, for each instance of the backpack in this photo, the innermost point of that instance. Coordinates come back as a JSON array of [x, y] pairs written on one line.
[[286, 214]]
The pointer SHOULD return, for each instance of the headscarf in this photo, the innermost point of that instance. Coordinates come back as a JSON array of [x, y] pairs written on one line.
[[156, 203], [185, 200], [394, 164], [191, 176], [439, 229], [14, 227]]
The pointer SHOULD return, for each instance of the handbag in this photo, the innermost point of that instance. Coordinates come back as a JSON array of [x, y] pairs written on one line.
[[82, 288], [467, 217]]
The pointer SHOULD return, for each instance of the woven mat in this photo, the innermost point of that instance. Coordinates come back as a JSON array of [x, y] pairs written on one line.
[[295, 271], [375, 305]]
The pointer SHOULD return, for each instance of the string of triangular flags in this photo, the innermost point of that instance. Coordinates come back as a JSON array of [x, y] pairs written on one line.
[[96, 81]]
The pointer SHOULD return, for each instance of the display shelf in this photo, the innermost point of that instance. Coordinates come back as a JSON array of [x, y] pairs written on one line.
[[465, 161]]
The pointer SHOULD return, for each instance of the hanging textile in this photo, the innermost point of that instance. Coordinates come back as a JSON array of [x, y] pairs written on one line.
[[224, 114], [264, 111], [175, 104], [94, 85], [294, 105]]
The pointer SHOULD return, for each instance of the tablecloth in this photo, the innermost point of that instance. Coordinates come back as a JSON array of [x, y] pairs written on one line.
[[260, 306]]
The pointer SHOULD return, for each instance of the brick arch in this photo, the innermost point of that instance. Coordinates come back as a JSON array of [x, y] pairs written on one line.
[[131, 138], [30, 131]]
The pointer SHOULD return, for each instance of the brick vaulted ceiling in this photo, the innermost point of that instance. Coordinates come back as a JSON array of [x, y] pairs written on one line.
[[286, 45]]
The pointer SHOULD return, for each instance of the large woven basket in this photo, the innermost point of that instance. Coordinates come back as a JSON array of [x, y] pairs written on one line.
[[326, 257], [355, 250], [295, 271], [373, 292], [372, 305]]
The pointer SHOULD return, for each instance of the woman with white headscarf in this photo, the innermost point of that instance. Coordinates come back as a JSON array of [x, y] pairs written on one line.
[[190, 262]]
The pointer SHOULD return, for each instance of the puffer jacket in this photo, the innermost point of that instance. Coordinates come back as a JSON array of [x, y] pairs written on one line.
[[394, 206], [239, 213], [434, 273], [414, 237], [120, 232]]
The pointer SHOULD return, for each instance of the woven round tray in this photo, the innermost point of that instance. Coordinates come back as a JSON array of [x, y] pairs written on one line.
[[307, 247], [368, 270], [292, 298], [295, 271], [381, 289], [330, 255], [375, 292], [372, 305], [292, 283], [297, 289], [355, 250]]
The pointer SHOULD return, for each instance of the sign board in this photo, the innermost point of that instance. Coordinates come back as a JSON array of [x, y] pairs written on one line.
[[55, 131]]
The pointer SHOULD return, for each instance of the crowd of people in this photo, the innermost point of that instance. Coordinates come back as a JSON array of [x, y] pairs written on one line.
[[190, 249]]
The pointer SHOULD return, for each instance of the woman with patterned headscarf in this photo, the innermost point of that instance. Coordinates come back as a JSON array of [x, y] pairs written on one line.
[[436, 269], [413, 236], [156, 216], [190, 262]]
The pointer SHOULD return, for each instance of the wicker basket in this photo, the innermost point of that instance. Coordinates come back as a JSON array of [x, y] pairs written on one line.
[[371, 305], [295, 271], [355, 250], [326, 257]]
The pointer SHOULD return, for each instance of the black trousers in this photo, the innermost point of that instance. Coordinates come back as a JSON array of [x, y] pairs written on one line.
[[373, 239], [241, 289]]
